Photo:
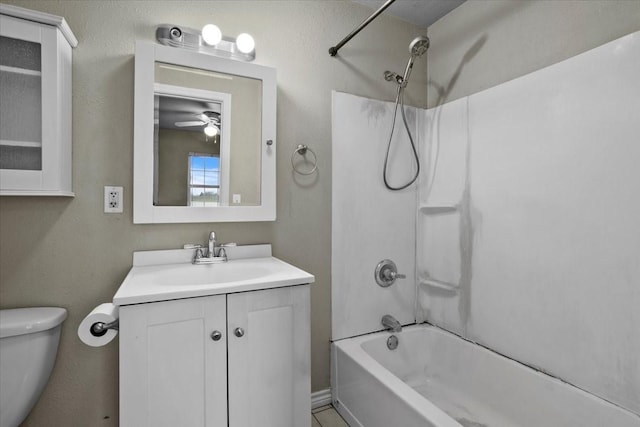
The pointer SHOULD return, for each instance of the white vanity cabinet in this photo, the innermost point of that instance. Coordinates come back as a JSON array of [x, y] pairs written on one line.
[[35, 103], [238, 359]]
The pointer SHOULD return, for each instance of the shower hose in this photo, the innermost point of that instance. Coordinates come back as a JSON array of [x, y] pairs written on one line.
[[400, 102]]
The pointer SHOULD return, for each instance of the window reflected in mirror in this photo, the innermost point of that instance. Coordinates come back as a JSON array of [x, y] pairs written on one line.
[[204, 180]]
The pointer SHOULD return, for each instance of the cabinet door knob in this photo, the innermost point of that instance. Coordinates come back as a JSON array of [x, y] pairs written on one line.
[[216, 335], [239, 332]]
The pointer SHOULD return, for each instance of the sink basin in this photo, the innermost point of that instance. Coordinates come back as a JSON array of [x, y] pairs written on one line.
[[148, 283], [204, 274]]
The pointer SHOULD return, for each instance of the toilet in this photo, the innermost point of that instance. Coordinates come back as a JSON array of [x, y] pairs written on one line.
[[28, 345]]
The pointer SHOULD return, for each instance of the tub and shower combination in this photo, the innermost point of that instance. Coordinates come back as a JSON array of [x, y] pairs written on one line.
[[490, 210], [437, 379]]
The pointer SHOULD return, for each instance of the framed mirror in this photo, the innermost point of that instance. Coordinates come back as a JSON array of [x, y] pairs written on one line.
[[204, 138]]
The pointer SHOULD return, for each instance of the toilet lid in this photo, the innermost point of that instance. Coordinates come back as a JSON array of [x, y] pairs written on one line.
[[20, 321]]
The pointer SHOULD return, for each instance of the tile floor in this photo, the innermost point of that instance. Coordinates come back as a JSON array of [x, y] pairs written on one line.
[[327, 416]]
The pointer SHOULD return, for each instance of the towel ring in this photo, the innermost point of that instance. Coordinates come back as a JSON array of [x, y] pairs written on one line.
[[302, 151]]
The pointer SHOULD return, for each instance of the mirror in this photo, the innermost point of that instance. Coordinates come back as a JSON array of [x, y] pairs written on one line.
[[204, 138]]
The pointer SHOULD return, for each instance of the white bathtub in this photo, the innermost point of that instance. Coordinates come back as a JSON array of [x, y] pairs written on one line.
[[435, 378]]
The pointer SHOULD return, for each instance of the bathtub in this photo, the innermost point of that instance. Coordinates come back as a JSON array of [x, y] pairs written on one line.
[[437, 379]]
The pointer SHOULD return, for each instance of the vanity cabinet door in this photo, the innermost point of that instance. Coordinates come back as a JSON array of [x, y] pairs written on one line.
[[172, 372], [269, 358]]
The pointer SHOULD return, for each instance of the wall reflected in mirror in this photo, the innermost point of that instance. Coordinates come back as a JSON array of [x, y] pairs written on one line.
[[207, 138]]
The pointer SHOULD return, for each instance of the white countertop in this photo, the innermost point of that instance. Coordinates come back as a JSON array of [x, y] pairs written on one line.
[[167, 281]]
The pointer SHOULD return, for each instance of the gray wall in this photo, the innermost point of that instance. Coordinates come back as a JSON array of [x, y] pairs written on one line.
[[66, 252], [484, 43], [173, 163]]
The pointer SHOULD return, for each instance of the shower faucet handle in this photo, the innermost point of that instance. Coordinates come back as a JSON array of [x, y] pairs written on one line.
[[386, 273]]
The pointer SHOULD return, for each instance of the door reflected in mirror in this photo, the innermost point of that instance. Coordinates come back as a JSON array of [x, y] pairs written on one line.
[[207, 138]]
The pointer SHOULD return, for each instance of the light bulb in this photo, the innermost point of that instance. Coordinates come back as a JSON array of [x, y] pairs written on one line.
[[245, 43], [211, 34], [211, 130]]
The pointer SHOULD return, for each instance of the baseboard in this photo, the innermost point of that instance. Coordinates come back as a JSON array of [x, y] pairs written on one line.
[[320, 398]]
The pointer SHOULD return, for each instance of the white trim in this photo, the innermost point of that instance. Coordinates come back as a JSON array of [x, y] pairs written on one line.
[[23, 71], [54, 193], [42, 18], [320, 398], [143, 210], [34, 144]]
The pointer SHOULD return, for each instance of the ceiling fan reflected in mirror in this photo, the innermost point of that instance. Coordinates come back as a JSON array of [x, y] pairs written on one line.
[[209, 119]]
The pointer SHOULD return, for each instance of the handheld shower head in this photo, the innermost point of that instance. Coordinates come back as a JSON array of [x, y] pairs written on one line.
[[419, 46]]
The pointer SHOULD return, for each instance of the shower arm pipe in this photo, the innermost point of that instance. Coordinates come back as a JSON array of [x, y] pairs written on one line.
[[334, 50]]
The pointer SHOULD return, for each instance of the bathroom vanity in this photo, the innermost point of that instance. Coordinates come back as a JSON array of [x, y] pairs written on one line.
[[217, 344]]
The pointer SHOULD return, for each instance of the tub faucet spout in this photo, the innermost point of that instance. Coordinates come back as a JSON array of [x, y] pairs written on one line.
[[391, 324]]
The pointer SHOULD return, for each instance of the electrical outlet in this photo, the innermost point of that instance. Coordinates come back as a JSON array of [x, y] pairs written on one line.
[[113, 199]]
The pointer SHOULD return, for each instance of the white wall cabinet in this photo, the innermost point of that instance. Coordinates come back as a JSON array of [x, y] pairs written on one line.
[[35, 103], [176, 370]]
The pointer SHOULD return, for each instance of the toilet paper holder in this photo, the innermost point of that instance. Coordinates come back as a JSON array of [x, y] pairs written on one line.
[[98, 329]]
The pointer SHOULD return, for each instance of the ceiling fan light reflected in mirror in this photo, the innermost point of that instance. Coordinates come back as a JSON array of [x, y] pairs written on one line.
[[210, 120], [211, 130]]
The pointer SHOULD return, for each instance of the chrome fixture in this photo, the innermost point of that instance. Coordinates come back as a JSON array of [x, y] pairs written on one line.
[[212, 244], [302, 150], [213, 255], [417, 47], [209, 40], [98, 329], [391, 324], [386, 273], [216, 335], [391, 76], [392, 342], [200, 258], [334, 50]]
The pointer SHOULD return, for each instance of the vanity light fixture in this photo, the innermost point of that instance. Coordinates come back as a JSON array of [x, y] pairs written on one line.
[[211, 34], [210, 40], [245, 43]]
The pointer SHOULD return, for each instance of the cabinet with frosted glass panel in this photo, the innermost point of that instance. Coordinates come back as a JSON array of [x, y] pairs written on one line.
[[35, 103]]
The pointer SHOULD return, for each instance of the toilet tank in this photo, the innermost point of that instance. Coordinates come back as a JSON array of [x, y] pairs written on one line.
[[29, 340]]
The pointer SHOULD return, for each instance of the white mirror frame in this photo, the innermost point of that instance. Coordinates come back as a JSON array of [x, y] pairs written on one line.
[[144, 212]]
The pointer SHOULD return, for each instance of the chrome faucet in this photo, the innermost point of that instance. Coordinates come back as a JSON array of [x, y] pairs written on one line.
[[213, 255], [212, 244], [391, 324]]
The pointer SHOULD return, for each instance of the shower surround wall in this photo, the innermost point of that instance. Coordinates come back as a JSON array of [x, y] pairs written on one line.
[[528, 222], [369, 222]]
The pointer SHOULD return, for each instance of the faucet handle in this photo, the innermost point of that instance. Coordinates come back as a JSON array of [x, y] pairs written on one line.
[[222, 253], [198, 254], [386, 273]]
